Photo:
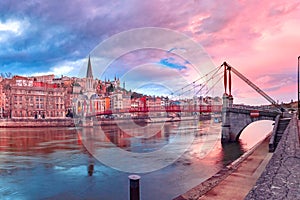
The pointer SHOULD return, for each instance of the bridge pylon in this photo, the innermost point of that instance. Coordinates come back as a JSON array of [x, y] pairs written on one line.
[[227, 103]]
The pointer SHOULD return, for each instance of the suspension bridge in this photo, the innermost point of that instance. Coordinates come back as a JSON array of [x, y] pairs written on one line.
[[234, 117]]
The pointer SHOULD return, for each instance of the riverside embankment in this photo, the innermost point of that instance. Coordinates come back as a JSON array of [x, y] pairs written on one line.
[[281, 177], [20, 123], [239, 176], [266, 175]]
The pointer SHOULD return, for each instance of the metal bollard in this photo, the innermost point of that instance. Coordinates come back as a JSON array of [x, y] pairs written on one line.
[[134, 187]]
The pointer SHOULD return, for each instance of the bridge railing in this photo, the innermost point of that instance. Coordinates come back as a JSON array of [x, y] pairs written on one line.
[[259, 108], [172, 108]]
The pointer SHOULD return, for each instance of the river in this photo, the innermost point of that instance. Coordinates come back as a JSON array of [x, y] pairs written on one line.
[[63, 163]]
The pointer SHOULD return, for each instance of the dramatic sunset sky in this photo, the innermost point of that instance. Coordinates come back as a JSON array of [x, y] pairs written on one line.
[[260, 38]]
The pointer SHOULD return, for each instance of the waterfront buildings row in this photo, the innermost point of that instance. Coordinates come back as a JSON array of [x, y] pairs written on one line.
[[50, 97]]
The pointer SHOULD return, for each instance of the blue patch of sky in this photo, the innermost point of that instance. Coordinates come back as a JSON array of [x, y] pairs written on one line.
[[171, 63], [154, 90]]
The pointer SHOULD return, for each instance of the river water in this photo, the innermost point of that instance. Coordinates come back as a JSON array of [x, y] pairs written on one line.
[[63, 163]]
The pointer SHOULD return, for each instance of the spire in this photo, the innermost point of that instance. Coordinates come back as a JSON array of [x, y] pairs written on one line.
[[89, 72]]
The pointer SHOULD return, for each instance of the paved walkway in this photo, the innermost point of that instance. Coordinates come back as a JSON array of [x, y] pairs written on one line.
[[281, 178], [237, 181], [240, 182]]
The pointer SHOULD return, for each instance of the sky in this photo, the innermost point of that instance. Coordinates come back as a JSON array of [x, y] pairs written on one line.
[[260, 38]]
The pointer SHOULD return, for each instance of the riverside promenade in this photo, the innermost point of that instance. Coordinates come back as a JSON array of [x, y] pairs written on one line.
[[257, 174], [281, 178]]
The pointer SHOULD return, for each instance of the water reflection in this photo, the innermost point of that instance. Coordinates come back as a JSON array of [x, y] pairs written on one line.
[[53, 163], [91, 165], [34, 140], [236, 150]]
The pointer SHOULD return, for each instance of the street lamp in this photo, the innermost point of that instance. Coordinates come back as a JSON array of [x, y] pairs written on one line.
[[298, 90]]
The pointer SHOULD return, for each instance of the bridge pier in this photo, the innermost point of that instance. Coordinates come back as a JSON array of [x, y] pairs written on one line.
[[227, 103], [235, 119]]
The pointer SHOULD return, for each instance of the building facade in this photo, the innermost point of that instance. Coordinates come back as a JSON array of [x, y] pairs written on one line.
[[25, 97], [2, 100]]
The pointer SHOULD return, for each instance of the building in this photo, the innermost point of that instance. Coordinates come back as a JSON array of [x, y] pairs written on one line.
[[88, 102], [26, 97], [2, 100], [116, 101], [107, 87]]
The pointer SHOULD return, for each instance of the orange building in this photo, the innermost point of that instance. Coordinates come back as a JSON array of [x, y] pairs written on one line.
[[107, 103]]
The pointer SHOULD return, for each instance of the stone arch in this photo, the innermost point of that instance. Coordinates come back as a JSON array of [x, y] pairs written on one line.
[[235, 120], [256, 131], [237, 137]]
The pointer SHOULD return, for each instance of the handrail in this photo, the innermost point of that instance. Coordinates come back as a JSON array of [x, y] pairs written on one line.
[[273, 136]]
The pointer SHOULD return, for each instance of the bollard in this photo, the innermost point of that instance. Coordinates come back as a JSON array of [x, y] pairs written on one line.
[[134, 187]]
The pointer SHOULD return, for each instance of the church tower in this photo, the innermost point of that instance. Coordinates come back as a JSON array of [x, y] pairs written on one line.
[[89, 76], [89, 86]]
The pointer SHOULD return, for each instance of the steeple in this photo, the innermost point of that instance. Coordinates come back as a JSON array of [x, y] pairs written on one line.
[[89, 72]]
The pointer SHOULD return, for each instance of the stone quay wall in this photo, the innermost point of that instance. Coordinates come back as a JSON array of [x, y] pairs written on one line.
[[18, 123], [281, 177]]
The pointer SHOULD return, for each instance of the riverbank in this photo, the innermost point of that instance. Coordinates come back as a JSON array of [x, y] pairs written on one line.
[[82, 122], [281, 177], [38, 123], [240, 176]]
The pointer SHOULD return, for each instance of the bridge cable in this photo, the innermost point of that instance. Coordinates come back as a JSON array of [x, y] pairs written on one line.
[[202, 85], [214, 85], [190, 84], [215, 75]]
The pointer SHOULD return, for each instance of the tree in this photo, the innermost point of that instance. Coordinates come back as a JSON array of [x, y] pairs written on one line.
[[110, 88]]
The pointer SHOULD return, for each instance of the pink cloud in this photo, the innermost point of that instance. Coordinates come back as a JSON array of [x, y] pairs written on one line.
[[257, 38]]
